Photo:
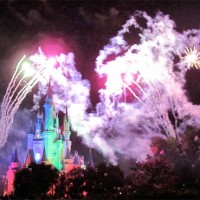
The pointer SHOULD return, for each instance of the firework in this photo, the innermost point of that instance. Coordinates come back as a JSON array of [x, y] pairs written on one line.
[[15, 94], [145, 71], [192, 57]]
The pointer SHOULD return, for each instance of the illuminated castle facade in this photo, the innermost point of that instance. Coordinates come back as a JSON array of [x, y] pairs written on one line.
[[50, 143]]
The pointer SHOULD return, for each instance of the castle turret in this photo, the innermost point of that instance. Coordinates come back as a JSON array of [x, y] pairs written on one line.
[[29, 157], [67, 134], [44, 157], [38, 129], [12, 169], [38, 142], [76, 159], [49, 128], [30, 137], [48, 107], [56, 122], [90, 159], [67, 155]]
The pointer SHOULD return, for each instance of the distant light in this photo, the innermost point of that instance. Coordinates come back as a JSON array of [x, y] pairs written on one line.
[[85, 193], [37, 157]]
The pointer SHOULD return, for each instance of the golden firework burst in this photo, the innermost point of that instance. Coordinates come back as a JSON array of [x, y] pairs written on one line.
[[192, 57]]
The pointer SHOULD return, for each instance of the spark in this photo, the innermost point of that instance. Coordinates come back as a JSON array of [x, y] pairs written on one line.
[[192, 57]]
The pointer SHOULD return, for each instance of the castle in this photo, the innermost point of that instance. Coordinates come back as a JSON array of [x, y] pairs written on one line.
[[48, 142]]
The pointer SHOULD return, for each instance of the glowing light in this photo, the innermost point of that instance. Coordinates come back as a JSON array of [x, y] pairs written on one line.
[[51, 62], [192, 57], [128, 78], [28, 69], [37, 157], [84, 193]]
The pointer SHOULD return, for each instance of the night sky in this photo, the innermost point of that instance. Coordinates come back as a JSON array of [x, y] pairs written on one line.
[[82, 27]]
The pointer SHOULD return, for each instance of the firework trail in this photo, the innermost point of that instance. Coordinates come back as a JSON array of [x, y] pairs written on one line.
[[14, 97], [69, 90]]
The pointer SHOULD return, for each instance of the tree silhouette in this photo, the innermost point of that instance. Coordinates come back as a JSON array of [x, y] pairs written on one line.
[[102, 182], [109, 181], [183, 157], [35, 180], [150, 178], [61, 190]]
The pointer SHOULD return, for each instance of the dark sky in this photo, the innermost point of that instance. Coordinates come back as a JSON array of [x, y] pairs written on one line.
[[83, 27]]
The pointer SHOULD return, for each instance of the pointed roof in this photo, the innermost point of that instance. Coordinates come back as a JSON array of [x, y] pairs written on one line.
[[67, 155], [44, 156], [76, 160], [49, 93], [90, 159], [66, 130], [29, 157], [66, 123], [15, 156]]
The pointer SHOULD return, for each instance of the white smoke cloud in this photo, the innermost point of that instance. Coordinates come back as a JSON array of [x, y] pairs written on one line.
[[132, 125], [142, 87]]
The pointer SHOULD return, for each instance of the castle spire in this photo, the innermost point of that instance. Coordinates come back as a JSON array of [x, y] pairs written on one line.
[[44, 156], [67, 131], [15, 156], [67, 155], [67, 134], [29, 157], [76, 158], [12, 169], [49, 111], [39, 125], [49, 92], [90, 159]]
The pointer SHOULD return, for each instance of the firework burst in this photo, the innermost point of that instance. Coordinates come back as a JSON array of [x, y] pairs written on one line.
[[192, 57]]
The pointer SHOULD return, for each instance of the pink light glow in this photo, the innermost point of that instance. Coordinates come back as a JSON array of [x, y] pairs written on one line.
[[84, 193], [52, 46]]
